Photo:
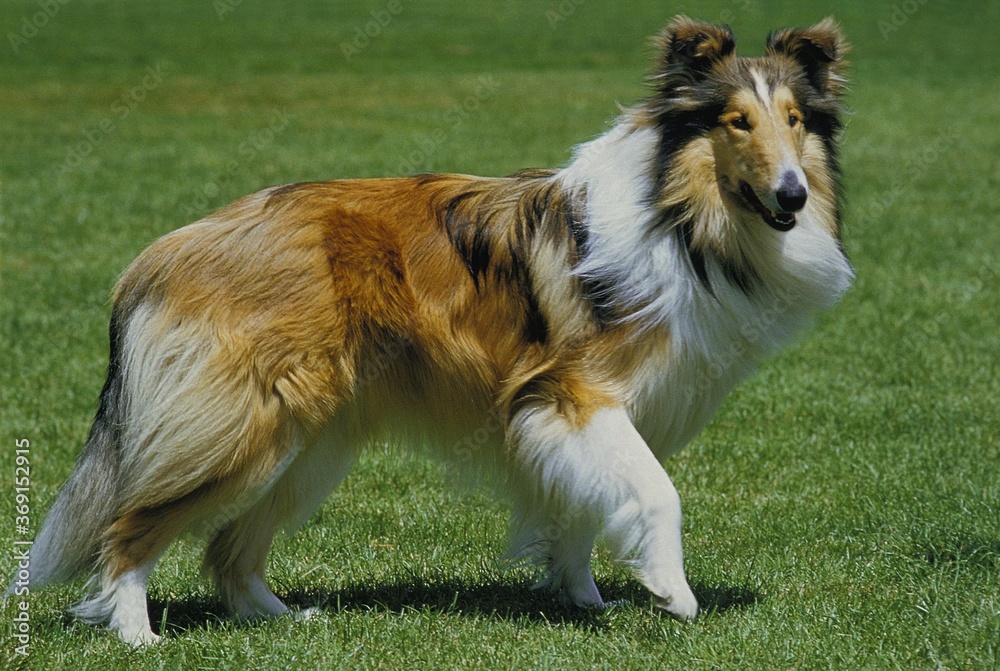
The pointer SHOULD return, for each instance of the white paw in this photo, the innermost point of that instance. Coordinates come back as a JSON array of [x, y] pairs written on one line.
[[307, 614], [139, 638], [680, 605]]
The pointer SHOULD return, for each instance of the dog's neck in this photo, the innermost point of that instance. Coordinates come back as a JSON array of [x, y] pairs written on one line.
[[657, 283]]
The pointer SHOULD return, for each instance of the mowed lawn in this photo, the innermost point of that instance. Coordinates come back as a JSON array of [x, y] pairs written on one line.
[[843, 509]]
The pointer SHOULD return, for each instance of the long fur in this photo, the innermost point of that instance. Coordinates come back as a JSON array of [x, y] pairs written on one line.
[[567, 330]]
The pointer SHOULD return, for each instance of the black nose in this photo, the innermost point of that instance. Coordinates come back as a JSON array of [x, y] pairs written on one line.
[[791, 194]]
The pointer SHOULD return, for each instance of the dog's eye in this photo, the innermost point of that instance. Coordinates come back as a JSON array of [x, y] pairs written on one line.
[[740, 123], [793, 119]]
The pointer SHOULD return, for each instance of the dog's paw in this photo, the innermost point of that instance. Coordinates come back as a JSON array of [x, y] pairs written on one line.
[[307, 614], [681, 605], [139, 638], [617, 603]]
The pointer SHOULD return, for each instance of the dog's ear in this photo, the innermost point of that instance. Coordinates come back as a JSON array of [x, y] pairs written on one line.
[[818, 50], [687, 50]]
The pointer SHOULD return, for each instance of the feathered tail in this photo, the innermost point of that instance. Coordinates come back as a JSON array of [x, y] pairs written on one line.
[[70, 539]]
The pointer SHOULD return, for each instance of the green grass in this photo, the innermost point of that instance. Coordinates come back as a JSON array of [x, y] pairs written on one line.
[[842, 511]]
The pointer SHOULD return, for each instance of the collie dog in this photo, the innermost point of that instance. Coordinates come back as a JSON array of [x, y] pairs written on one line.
[[564, 330]]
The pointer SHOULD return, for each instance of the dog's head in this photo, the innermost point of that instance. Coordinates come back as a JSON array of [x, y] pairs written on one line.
[[769, 123]]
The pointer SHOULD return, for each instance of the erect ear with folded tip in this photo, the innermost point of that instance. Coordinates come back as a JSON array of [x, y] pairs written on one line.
[[819, 50], [688, 49]]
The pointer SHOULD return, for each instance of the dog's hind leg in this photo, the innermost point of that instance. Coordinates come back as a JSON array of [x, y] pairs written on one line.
[[149, 522], [237, 554], [200, 439], [133, 544], [602, 469], [121, 602]]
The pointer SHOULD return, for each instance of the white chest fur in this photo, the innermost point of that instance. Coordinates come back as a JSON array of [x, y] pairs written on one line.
[[716, 336]]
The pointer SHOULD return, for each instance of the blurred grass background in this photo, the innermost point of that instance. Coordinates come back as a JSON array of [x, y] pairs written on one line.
[[843, 511]]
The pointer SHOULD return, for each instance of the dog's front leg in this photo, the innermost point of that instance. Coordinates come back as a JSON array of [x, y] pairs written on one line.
[[600, 472]]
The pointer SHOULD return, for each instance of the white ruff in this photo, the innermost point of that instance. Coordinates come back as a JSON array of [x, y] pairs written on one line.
[[715, 336]]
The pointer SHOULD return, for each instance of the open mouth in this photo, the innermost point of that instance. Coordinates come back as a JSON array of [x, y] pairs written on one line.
[[779, 221]]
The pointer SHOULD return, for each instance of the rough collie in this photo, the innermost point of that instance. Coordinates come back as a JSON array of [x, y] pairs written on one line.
[[565, 330]]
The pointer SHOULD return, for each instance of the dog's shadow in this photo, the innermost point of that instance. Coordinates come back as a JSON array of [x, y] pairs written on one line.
[[492, 599]]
